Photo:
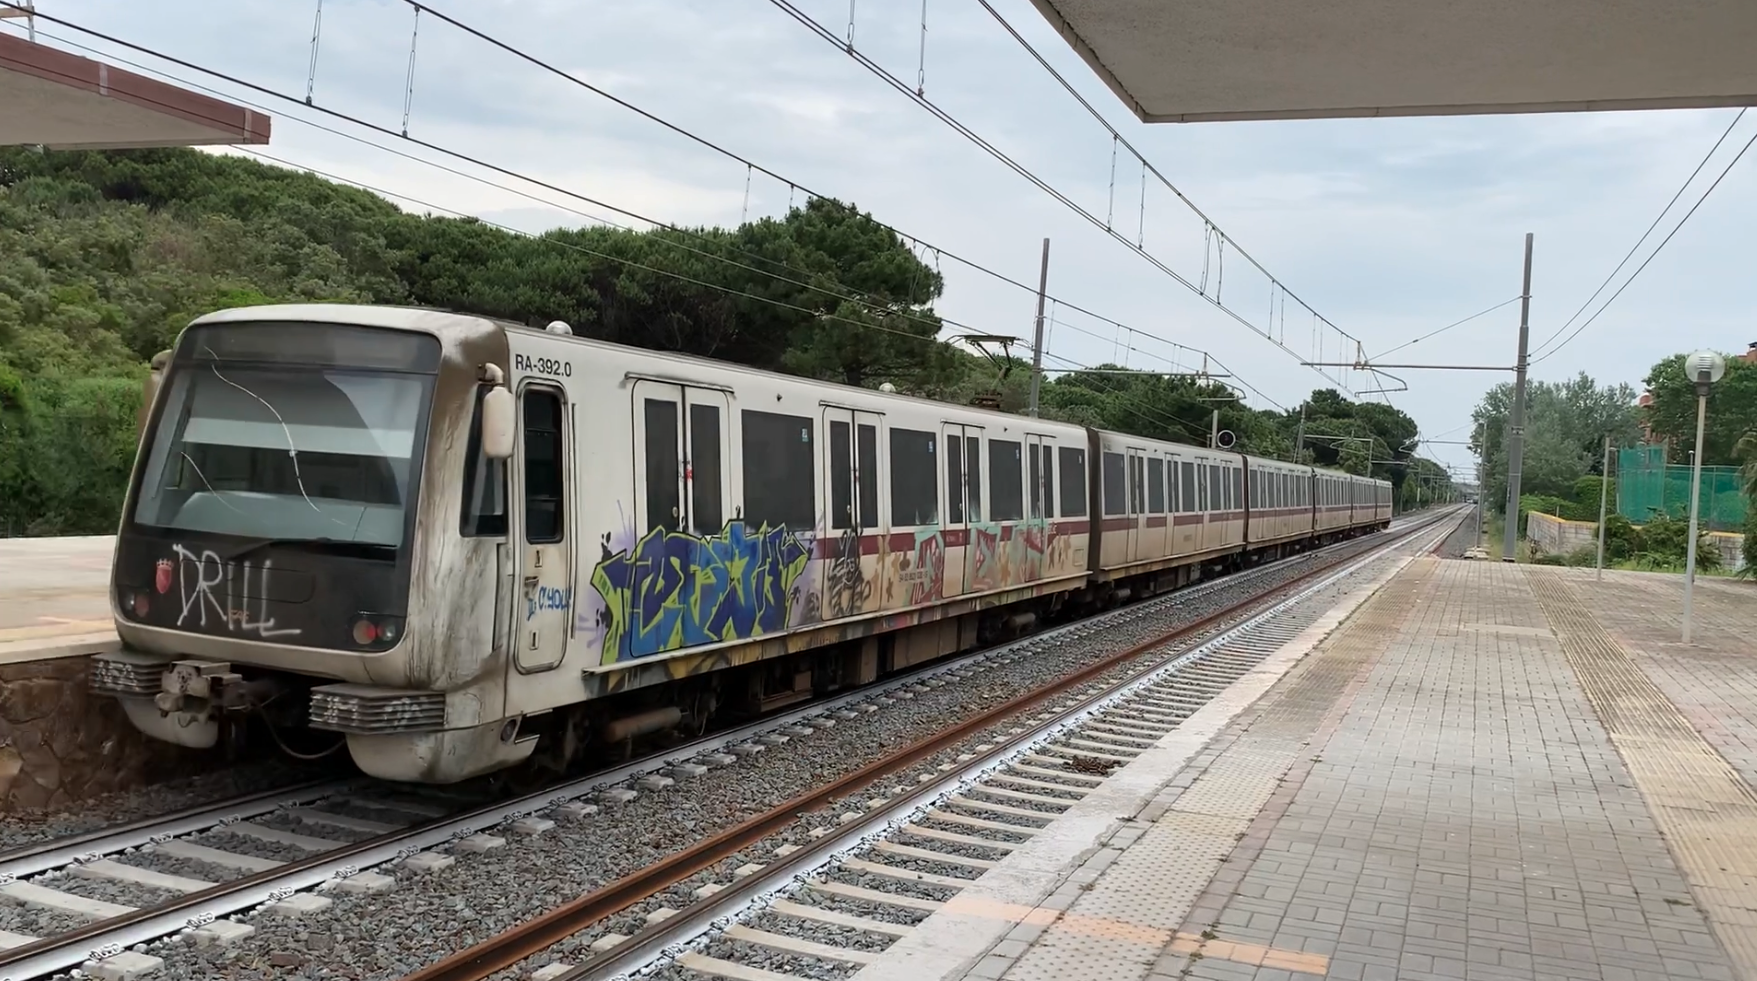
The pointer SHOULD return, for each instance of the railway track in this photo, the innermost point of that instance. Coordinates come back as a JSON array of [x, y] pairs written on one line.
[[915, 827], [96, 896]]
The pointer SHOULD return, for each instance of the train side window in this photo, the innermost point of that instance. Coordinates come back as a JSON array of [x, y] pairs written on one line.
[[1186, 497], [914, 479], [780, 486], [1073, 481], [1034, 478], [1238, 491], [1116, 492], [973, 476], [706, 478], [663, 502], [544, 486], [484, 512], [866, 473], [1006, 480], [1155, 487], [954, 479], [841, 475], [1216, 497]]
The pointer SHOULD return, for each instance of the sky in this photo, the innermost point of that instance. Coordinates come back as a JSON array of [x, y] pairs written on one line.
[[1387, 228]]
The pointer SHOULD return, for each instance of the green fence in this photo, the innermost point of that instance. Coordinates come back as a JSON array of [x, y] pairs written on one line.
[[1646, 484]]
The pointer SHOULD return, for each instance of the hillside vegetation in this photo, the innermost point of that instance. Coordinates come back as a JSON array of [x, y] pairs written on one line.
[[104, 257]]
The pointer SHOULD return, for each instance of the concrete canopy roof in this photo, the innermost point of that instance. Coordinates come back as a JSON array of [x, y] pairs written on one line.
[[1206, 60], [60, 100]]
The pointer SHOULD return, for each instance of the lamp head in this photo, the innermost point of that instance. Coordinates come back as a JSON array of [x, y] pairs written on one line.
[[1704, 367]]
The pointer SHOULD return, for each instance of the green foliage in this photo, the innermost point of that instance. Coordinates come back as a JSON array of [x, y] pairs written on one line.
[[106, 256], [1565, 427], [1732, 410], [1749, 548]]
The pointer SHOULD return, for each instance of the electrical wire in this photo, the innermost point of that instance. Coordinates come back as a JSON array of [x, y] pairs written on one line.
[[1650, 257], [1012, 164], [1656, 220], [508, 172], [1442, 330]]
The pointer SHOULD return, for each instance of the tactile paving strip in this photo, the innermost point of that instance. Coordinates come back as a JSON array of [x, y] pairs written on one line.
[[1706, 810]]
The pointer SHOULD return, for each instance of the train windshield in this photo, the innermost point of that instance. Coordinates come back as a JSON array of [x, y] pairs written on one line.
[[305, 433]]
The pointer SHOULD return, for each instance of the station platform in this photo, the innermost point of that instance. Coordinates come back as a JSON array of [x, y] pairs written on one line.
[[1487, 771], [54, 597]]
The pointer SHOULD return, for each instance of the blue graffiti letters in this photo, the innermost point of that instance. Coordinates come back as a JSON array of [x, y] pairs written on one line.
[[674, 590]]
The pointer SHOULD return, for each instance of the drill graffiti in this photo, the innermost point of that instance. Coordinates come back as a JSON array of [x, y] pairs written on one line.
[[675, 590]]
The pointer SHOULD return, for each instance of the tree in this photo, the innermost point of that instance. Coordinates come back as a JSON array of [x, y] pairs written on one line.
[[1732, 410], [1565, 426]]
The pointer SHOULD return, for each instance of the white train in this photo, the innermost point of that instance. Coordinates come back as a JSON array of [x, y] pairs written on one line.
[[459, 543]]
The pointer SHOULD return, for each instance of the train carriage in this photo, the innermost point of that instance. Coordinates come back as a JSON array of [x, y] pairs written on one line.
[[459, 543]]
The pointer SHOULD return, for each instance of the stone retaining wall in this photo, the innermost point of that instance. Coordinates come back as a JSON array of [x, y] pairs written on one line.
[[1557, 536], [59, 744]]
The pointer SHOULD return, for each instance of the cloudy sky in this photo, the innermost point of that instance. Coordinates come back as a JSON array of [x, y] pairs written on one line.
[[1389, 228]]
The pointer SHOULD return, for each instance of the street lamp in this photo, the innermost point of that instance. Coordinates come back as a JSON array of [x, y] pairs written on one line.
[[1704, 368]]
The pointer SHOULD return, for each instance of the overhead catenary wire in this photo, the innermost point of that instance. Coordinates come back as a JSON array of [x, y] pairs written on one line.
[[1656, 220], [1650, 256], [509, 172], [879, 71]]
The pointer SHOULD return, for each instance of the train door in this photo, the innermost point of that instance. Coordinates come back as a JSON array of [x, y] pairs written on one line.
[[1137, 501], [682, 443], [1033, 550], [545, 468], [851, 486], [967, 564]]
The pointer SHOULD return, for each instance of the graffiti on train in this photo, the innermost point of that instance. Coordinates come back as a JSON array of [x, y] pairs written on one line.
[[674, 590], [546, 598]]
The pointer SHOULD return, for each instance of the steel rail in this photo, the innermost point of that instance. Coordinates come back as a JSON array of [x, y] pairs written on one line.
[[57, 852], [507, 949]]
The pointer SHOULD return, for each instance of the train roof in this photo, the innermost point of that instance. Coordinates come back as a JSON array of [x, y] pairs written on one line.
[[442, 322]]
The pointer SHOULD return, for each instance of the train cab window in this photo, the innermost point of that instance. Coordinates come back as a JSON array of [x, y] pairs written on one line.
[[780, 486], [544, 485], [1155, 487], [664, 500], [1073, 481], [1006, 480], [1116, 491], [914, 479], [954, 479], [1186, 497], [866, 474], [484, 512], [706, 474]]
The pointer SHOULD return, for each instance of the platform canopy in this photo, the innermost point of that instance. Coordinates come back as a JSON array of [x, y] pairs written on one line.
[[1204, 60], [53, 98]]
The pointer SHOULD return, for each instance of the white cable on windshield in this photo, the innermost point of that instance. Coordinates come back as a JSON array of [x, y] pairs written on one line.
[[292, 450]]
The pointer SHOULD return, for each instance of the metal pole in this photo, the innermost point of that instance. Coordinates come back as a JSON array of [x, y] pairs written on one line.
[[1604, 497], [1516, 421], [1214, 431], [1037, 341], [1695, 500], [1299, 439], [1481, 451]]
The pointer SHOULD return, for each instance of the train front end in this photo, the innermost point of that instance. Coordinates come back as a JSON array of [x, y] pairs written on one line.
[[283, 533]]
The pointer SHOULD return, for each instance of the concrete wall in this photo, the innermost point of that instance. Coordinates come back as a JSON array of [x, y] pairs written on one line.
[[1555, 536]]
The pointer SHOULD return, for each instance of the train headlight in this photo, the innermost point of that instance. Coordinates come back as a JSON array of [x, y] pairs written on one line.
[[374, 631], [135, 602]]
